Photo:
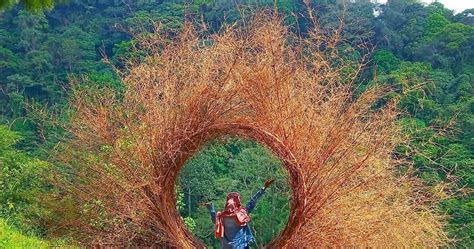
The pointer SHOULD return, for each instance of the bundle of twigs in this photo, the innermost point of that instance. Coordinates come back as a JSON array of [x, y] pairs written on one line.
[[292, 94]]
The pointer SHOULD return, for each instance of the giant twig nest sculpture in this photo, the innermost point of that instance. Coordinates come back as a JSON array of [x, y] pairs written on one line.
[[294, 95]]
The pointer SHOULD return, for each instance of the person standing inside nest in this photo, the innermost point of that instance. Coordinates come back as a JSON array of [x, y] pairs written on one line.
[[231, 224]]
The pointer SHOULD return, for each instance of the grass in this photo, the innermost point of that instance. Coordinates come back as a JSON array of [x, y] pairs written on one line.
[[11, 238]]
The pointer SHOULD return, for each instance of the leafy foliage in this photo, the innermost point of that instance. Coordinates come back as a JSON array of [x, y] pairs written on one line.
[[20, 181], [235, 165]]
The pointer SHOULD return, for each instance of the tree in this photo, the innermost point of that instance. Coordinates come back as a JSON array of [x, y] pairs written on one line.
[[20, 181], [31, 5], [76, 48], [386, 61], [440, 158], [32, 30]]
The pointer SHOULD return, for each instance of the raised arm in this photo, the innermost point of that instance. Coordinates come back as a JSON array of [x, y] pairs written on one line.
[[253, 201], [212, 211]]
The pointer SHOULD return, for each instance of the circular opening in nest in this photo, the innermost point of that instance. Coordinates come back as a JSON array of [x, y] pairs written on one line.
[[232, 164], [268, 140]]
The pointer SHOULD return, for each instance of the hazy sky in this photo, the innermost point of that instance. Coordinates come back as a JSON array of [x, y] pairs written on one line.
[[456, 5]]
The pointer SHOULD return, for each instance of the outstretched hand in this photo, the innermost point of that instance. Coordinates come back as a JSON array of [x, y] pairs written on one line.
[[268, 182]]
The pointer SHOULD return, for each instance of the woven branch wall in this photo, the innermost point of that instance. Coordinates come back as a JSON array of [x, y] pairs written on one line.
[[292, 94]]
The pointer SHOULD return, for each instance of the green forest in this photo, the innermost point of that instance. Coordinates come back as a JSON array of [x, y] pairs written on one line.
[[46, 47]]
